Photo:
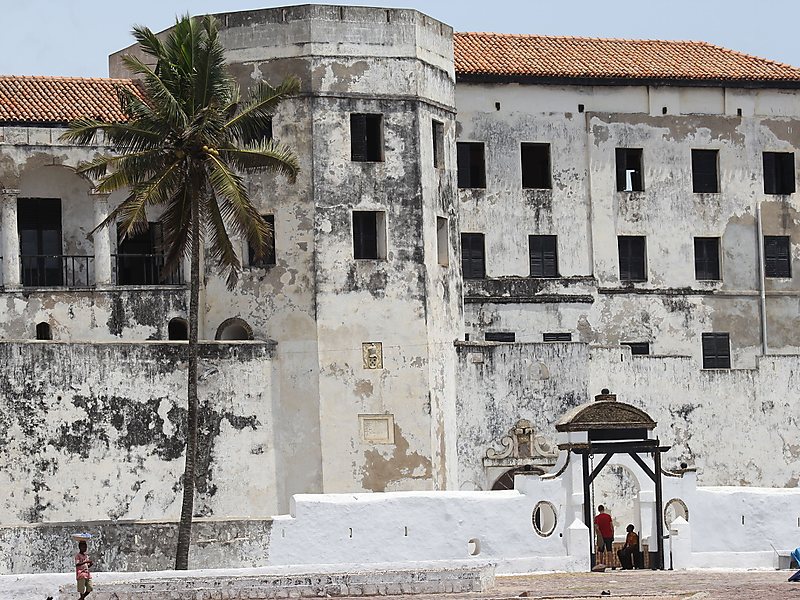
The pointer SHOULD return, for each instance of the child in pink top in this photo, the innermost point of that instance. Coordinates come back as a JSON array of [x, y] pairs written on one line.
[[82, 574]]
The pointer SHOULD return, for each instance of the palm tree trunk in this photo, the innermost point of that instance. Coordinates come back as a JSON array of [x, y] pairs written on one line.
[[187, 506]]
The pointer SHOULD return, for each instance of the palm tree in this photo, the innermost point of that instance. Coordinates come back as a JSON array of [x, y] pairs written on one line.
[[187, 140]]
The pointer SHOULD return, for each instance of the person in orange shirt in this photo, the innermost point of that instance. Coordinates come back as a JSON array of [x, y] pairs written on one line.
[[604, 530], [628, 553], [82, 573]]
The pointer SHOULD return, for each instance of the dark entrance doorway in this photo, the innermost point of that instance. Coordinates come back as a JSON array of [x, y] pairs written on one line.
[[39, 224]]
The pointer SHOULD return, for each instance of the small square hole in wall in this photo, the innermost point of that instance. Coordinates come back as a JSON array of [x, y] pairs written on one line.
[[376, 429], [372, 353]]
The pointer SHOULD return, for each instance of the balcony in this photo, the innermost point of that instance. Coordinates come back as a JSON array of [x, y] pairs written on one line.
[[144, 269], [57, 270]]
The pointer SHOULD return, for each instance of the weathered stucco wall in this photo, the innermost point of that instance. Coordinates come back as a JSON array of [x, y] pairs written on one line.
[[97, 431]]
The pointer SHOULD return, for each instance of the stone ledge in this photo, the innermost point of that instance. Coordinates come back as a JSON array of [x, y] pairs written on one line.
[[280, 583]]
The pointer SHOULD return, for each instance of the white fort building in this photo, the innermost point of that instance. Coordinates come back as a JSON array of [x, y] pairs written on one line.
[[487, 231]]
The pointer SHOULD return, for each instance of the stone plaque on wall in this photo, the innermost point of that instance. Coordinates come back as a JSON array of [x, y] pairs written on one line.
[[378, 429], [373, 355]]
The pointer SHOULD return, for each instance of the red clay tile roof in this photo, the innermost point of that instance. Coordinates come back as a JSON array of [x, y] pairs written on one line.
[[59, 99], [554, 57]]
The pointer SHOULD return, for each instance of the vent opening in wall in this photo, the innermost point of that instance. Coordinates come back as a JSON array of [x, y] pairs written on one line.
[[234, 329], [178, 329], [43, 331], [474, 547], [581, 108]]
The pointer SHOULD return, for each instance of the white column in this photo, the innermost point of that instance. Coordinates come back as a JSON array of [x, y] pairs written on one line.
[[10, 250], [680, 537], [102, 240]]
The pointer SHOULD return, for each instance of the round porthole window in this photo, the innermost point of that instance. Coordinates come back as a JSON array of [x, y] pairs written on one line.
[[675, 508], [544, 518]]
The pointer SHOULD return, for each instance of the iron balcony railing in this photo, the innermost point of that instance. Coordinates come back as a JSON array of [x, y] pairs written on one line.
[[145, 269], [57, 270]]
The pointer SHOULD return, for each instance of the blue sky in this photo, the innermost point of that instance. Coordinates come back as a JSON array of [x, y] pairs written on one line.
[[74, 37]]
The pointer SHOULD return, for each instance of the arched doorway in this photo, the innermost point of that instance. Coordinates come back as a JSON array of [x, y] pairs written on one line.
[[506, 480], [604, 429]]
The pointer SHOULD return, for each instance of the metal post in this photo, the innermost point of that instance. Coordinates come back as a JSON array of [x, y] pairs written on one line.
[[587, 507], [659, 510]]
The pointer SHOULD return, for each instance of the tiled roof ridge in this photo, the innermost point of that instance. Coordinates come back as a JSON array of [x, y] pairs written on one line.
[[68, 78]]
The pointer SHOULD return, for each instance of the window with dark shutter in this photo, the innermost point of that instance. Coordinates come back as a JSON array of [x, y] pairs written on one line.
[[365, 234], [705, 179], [716, 351], [499, 336], [632, 258], [268, 257], [779, 173], [777, 256], [535, 166], [543, 255], [471, 165], [438, 144], [366, 137], [629, 170], [556, 337], [473, 260], [706, 258], [638, 348]]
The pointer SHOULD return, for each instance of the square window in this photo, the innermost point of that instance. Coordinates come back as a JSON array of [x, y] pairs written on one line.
[[499, 336], [705, 179], [556, 337], [543, 255], [438, 144], [536, 166], [777, 257], [268, 258], [366, 137], [629, 170], [442, 241], [473, 259], [369, 234], [632, 260], [779, 172], [471, 165], [706, 258], [716, 351], [638, 348]]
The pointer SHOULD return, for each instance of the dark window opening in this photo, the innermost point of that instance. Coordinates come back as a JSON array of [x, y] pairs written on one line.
[[369, 238], [366, 137], [43, 331], [705, 179], [536, 166], [639, 348], [543, 255], [556, 337], [777, 256], [471, 165], [632, 258], [438, 144], [178, 329], [779, 173], [629, 170], [499, 336], [706, 258], [268, 257], [140, 259], [716, 351], [39, 226], [473, 258]]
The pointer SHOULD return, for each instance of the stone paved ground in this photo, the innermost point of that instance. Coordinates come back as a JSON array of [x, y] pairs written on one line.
[[639, 585]]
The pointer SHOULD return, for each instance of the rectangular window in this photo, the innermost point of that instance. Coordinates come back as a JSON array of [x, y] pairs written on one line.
[[777, 257], [473, 259], [499, 336], [438, 144], [632, 261], [366, 137], [442, 241], [629, 170], [41, 255], [543, 255], [641, 348], [140, 259], [471, 165], [536, 166], [369, 234], [556, 337], [706, 258], [716, 351], [779, 172], [705, 179], [268, 258]]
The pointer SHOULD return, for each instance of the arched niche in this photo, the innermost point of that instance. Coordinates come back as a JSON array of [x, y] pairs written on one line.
[[234, 329]]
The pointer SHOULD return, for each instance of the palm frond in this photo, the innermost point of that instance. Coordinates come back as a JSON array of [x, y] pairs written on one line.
[[176, 226], [221, 248], [253, 120], [160, 93], [270, 156]]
